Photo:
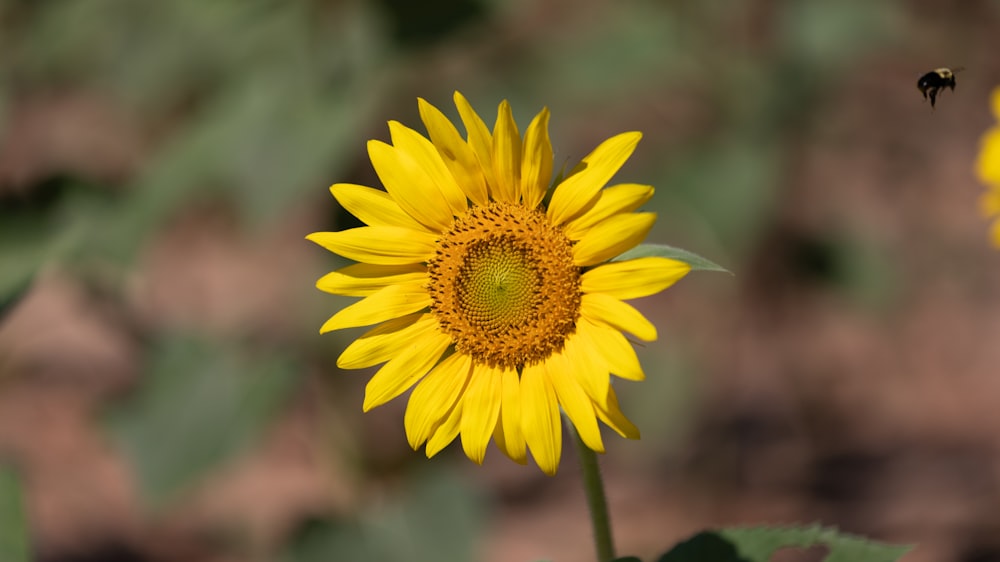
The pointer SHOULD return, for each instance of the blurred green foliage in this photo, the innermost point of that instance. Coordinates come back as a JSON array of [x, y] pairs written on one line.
[[440, 518], [52, 225], [199, 404], [14, 545], [262, 99]]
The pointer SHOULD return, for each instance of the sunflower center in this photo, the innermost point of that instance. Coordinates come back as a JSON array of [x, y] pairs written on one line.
[[504, 286]]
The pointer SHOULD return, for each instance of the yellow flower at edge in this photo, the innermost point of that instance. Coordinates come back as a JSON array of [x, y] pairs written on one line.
[[988, 170], [499, 308]]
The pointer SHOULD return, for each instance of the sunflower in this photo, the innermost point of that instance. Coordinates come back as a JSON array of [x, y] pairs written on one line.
[[988, 169], [492, 293]]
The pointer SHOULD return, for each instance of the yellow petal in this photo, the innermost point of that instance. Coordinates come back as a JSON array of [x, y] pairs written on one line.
[[445, 432], [456, 153], [540, 418], [536, 162], [574, 401], [480, 408], [479, 138], [613, 417], [434, 397], [381, 245], [386, 340], [612, 237], [578, 191], [587, 364], [631, 279], [601, 307], [363, 279], [615, 349], [989, 202], [614, 200], [410, 186], [506, 156], [988, 161], [391, 302], [427, 157], [995, 233], [373, 206], [508, 435], [995, 102], [404, 370]]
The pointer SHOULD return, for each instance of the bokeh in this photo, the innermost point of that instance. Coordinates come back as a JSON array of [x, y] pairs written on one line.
[[165, 394]]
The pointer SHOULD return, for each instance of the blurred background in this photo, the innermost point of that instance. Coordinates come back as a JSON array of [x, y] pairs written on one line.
[[165, 395]]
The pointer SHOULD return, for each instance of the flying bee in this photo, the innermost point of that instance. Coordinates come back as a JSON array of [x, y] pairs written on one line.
[[935, 81]]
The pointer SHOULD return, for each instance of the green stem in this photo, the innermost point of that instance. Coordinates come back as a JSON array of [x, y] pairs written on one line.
[[596, 502]]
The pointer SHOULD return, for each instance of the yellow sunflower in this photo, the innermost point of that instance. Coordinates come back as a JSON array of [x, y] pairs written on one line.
[[988, 170], [491, 292]]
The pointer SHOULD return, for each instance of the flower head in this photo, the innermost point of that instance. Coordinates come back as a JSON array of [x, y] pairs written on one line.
[[988, 169], [499, 308]]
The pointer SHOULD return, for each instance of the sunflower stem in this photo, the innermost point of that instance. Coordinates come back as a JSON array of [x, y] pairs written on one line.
[[593, 485]]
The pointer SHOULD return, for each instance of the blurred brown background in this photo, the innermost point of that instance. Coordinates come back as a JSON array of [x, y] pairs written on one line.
[[165, 396]]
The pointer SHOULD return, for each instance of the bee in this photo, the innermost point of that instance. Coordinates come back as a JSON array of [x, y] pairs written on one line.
[[935, 81]]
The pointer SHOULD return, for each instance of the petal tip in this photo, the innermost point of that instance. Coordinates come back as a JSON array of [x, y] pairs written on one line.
[[549, 470]]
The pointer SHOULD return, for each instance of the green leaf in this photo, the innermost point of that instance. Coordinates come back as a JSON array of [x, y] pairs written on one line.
[[662, 250], [13, 523], [198, 405], [758, 544], [628, 559]]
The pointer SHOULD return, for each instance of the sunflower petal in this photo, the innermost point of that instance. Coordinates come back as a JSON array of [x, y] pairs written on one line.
[[536, 162], [479, 138], [456, 153], [391, 302], [617, 199], [506, 156], [540, 418], [410, 186], [587, 364], [603, 308], [989, 203], [988, 161], [481, 407], [613, 417], [575, 402], [386, 340], [612, 237], [426, 155], [508, 435], [373, 207], [575, 193], [363, 279], [404, 370], [445, 432], [380, 245], [616, 350], [434, 397], [631, 279]]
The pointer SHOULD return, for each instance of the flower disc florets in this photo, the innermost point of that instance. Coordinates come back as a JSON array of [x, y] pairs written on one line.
[[504, 285]]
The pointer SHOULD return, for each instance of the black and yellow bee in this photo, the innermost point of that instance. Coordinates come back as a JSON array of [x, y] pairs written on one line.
[[935, 81]]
